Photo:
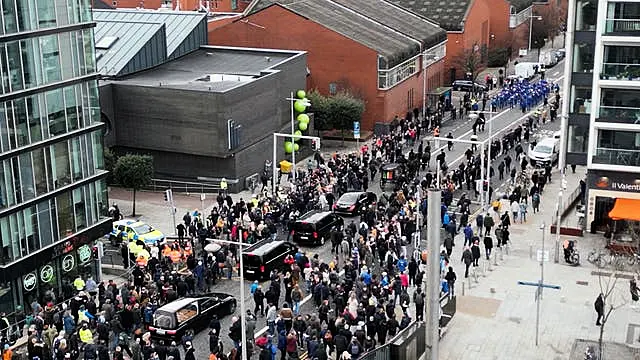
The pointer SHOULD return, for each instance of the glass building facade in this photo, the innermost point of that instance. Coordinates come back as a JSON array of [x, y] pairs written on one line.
[[53, 194]]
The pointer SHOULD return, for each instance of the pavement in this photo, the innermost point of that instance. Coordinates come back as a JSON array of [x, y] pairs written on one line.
[[152, 209]]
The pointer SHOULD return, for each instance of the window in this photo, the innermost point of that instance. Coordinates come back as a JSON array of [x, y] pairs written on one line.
[[60, 164], [616, 147], [186, 313], [410, 99], [106, 42], [622, 17], [66, 223], [389, 78], [578, 139], [620, 106], [333, 88], [580, 100], [583, 57], [586, 15]]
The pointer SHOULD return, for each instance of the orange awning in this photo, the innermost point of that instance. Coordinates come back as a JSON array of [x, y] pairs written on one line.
[[625, 209]]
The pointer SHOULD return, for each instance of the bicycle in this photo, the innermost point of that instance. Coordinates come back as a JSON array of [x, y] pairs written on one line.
[[597, 258]]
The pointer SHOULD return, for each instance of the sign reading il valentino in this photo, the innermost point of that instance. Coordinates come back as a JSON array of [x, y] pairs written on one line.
[[614, 181]]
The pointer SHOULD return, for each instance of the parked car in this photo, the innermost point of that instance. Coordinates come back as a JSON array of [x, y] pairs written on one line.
[[133, 230], [467, 85], [314, 227], [353, 203], [173, 320], [264, 256]]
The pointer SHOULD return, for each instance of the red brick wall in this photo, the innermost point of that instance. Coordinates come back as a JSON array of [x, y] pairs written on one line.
[[398, 100], [332, 58], [185, 5], [499, 23], [474, 33]]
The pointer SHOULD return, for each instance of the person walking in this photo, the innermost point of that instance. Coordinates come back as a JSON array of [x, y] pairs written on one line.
[[451, 281], [475, 251], [599, 306], [488, 245], [418, 300], [488, 224], [467, 259]]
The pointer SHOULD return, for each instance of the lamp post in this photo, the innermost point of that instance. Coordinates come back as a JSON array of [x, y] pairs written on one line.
[[531, 17]]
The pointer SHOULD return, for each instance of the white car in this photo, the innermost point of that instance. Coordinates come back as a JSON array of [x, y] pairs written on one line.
[[545, 151]]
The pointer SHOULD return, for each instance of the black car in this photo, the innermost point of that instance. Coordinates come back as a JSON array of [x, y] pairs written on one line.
[[314, 227], [353, 203], [264, 256], [467, 85], [173, 320]]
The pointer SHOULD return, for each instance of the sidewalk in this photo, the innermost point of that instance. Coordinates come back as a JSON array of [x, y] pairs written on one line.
[[496, 317]]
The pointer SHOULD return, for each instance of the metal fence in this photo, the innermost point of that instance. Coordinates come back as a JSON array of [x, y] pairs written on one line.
[[409, 343]]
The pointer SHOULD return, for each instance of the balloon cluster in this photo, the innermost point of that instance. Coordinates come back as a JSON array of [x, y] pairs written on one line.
[[300, 106]]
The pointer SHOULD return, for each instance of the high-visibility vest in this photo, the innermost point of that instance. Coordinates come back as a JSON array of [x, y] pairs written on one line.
[[166, 251], [78, 283], [223, 185], [86, 336], [141, 261], [175, 256]]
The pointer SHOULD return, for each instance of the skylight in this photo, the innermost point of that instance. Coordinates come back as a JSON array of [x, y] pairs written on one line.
[[106, 42]]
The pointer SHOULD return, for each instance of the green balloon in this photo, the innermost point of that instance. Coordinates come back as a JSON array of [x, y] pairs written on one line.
[[303, 118], [303, 126], [296, 147], [288, 147], [297, 134], [301, 94], [299, 106]]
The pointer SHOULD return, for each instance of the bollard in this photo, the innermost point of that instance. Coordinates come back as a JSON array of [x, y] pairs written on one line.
[[469, 282], [495, 258], [463, 288], [484, 269], [488, 262], [502, 253], [530, 251], [506, 246]]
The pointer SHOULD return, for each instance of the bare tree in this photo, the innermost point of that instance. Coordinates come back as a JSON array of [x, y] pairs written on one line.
[[612, 300], [470, 62]]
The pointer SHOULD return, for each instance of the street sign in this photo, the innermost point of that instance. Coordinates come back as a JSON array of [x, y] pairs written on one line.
[[356, 129], [539, 255]]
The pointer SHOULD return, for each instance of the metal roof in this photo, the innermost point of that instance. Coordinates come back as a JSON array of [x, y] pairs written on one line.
[[399, 19], [131, 38], [178, 24], [449, 14]]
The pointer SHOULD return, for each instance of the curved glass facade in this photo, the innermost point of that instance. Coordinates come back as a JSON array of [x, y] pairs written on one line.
[[53, 194]]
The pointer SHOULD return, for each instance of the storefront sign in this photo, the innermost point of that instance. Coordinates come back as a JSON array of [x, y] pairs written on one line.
[[46, 273], [29, 281], [68, 263], [614, 181], [84, 254]]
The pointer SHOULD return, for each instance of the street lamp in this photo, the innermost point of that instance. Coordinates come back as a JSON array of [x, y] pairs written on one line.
[[531, 17]]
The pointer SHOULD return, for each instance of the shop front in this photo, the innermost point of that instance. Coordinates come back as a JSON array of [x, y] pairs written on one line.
[[613, 205], [48, 274]]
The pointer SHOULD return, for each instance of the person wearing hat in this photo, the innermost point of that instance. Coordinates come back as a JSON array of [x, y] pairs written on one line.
[[7, 353]]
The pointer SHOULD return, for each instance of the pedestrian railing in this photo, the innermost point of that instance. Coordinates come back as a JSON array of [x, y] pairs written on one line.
[[409, 340]]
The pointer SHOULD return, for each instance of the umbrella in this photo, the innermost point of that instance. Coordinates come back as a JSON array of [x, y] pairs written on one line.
[[212, 248]]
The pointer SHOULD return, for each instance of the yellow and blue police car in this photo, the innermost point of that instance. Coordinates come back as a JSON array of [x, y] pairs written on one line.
[[132, 230]]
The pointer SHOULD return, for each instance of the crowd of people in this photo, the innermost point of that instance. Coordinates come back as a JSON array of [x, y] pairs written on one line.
[[369, 291]]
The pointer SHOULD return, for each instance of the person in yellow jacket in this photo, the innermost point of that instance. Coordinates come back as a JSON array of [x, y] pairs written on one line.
[[78, 283], [85, 334]]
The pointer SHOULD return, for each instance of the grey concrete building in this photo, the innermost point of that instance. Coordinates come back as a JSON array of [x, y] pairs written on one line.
[[207, 115]]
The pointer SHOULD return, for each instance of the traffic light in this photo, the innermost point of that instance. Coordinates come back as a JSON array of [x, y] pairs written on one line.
[[94, 252], [168, 196]]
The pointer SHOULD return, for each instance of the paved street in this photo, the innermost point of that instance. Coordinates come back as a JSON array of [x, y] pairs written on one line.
[[152, 208]]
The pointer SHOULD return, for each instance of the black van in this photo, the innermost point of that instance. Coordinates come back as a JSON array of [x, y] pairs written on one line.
[[262, 257], [314, 227]]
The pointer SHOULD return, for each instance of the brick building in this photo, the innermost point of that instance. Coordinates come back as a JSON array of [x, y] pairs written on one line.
[[371, 48], [184, 5]]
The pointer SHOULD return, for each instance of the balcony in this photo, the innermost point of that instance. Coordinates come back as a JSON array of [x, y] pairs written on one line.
[[619, 71], [619, 114], [622, 27], [622, 157]]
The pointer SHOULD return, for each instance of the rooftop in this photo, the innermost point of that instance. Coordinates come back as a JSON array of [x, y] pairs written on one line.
[[212, 68], [520, 5], [389, 30], [449, 14], [178, 23]]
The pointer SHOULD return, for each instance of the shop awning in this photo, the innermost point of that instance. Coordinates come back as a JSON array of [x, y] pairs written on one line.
[[625, 209]]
